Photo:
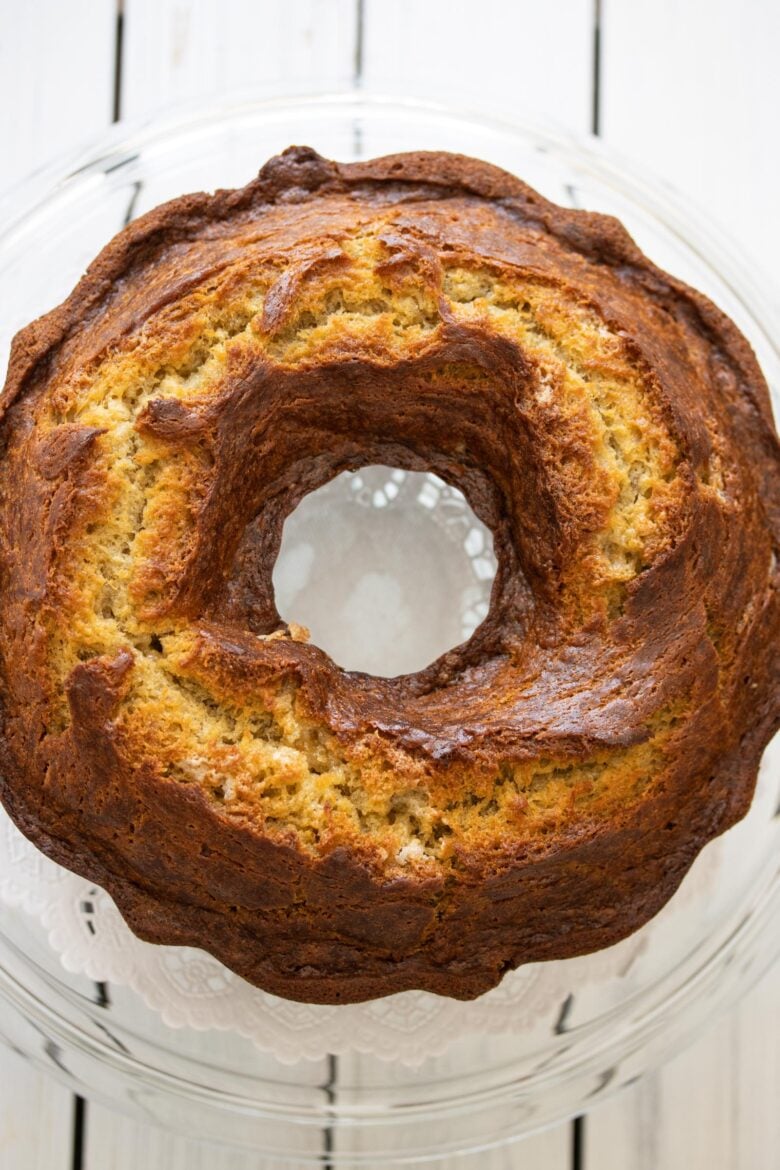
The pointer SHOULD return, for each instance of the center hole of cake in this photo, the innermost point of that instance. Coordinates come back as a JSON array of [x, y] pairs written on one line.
[[388, 569]]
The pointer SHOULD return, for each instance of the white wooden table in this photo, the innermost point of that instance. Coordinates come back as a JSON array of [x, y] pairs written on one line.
[[689, 87]]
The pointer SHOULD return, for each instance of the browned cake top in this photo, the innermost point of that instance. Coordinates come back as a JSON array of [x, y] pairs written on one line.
[[226, 355]]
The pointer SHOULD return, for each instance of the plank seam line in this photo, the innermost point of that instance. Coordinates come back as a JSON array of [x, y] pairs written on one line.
[[119, 37], [79, 1132], [357, 68], [578, 1143], [329, 1089], [595, 124]]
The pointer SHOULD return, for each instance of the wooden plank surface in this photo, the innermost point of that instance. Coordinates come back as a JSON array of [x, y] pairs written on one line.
[[115, 1143], [36, 1118], [56, 91], [176, 50], [56, 79], [714, 1106], [519, 58], [691, 90]]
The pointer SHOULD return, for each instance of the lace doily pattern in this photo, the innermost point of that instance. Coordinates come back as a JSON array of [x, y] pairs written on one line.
[[189, 988]]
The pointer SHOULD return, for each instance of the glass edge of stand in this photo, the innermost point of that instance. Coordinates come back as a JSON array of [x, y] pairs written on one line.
[[686, 989], [125, 140], [705, 240]]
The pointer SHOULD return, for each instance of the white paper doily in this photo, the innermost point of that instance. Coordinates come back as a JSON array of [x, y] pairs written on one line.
[[189, 988]]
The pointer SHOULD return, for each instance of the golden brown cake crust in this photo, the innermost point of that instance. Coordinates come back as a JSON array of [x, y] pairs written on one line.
[[536, 793]]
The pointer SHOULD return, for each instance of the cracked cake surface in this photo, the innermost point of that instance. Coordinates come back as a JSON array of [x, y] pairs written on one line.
[[537, 792]]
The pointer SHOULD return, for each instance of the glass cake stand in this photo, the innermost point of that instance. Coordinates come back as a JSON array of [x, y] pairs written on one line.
[[720, 931]]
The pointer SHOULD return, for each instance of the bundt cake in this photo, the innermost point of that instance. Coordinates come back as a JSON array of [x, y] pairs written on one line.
[[537, 792]]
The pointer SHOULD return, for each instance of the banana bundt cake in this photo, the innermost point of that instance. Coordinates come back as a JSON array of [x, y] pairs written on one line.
[[539, 791]]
